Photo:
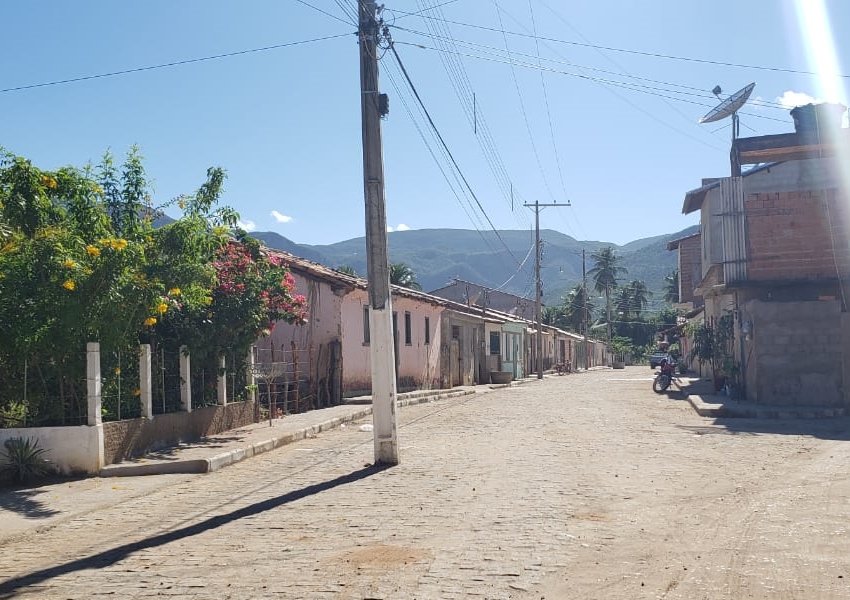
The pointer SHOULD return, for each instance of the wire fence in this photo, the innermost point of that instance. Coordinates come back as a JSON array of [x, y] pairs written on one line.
[[38, 391]]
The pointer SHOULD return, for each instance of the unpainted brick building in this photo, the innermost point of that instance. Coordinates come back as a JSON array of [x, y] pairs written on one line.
[[775, 256]]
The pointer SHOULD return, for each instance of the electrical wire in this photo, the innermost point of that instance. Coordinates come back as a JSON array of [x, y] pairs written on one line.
[[443, 142], [324, 12], [651, 54], [170, 64], [524, 113], [467, 99]]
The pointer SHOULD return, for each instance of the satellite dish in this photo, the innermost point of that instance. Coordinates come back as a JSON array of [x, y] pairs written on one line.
[[729, 106]]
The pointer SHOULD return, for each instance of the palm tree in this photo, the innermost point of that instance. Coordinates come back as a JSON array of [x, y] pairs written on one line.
[[639, 296], [671, 287], [403, 275], [605, 272], [348, 270], [578, 308], [624, 303]]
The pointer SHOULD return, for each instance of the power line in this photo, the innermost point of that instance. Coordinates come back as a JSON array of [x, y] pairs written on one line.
[[169, 64], [653, 54], [466, 97], [442, 141], [345, 10]]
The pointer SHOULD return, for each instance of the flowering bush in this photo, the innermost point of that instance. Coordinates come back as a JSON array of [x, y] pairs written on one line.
[[80, 261]]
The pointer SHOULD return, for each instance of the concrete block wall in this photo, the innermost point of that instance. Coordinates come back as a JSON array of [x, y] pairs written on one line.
[[796, 354]]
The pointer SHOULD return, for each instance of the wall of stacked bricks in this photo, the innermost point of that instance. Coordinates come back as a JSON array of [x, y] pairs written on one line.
[[797, 235], [690, 267]]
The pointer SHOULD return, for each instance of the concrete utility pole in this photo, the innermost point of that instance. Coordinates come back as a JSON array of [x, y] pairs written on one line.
[[537, 306], [584, 290], [382, 347]]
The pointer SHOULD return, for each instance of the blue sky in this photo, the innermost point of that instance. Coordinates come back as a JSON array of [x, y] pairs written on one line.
[[592, 103]]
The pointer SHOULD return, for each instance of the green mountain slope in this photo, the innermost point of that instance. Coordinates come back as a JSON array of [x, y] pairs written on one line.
[[503, 260]]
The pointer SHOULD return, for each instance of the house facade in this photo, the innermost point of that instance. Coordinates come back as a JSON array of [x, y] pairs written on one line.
[[775, 254]]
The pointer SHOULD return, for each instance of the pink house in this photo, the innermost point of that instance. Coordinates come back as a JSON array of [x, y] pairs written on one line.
[[329, 356]]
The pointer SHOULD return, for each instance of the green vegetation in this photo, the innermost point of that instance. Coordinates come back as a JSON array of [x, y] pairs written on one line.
[[23, 460], [80, 261], [403, 275]]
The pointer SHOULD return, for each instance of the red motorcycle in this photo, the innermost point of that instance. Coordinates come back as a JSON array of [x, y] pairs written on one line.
[[664, 376]]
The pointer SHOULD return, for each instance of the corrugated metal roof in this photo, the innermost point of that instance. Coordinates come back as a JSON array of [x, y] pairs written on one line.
[[695, 198]]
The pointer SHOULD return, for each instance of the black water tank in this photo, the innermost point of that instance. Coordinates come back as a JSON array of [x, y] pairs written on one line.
[[814, 117]]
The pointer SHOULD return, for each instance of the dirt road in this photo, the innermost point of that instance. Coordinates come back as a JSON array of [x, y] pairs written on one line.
[[582, 486]]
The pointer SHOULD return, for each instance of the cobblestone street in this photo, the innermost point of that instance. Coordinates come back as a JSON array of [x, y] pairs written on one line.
[[581, 486]]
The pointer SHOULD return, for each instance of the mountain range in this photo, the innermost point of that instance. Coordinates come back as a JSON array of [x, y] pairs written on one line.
[[502, 260]]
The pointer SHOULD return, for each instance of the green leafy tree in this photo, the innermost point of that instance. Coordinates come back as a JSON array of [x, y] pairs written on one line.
[[79, 261], [401, 274]]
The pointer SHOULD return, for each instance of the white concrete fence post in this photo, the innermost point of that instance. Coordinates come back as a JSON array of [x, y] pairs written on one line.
[[185, 381], [222, 381], [145, 381], [250, 380], [93, 384]]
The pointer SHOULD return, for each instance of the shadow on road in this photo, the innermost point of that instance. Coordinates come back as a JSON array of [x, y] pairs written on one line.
[[25, 502], [103, 559], [836, 428]]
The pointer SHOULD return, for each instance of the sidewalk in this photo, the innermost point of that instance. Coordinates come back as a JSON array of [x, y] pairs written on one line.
[[229, 447], [700, 393]]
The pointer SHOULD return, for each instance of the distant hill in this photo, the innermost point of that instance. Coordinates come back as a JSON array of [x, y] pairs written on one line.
[[503, 259]]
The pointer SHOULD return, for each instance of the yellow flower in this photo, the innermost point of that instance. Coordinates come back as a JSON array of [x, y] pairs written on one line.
[[117, 370], [118, 244], [137, 392], [175, 291], [161, 307], [150, 321], [93, 250], [181, 204], [69, 285], [98, 190], [69, 263]]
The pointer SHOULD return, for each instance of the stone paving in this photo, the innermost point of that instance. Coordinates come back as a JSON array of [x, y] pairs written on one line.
[[496, 495]]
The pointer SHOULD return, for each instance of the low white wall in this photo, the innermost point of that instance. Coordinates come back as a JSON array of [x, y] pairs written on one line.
[[72, 450]]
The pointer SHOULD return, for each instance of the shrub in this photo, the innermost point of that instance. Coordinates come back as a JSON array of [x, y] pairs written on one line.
[[24, 460]]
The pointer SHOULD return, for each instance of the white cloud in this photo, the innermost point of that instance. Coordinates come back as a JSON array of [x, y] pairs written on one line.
[[280, 218], [792, 99], [389, 229], [247, 225], [402, 227]]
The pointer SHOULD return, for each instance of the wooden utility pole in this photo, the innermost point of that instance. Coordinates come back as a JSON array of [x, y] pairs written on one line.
[[537, 306], [382, 348]]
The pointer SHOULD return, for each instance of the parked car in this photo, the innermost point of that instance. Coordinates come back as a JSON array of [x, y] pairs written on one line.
[[656, 357]]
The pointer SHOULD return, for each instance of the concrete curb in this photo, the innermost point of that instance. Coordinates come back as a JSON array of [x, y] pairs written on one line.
[[743, 410], [249, 449]]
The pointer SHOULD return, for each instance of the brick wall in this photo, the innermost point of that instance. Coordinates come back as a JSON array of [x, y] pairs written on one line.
[[690, 268], [135, 437], [791, 235]]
